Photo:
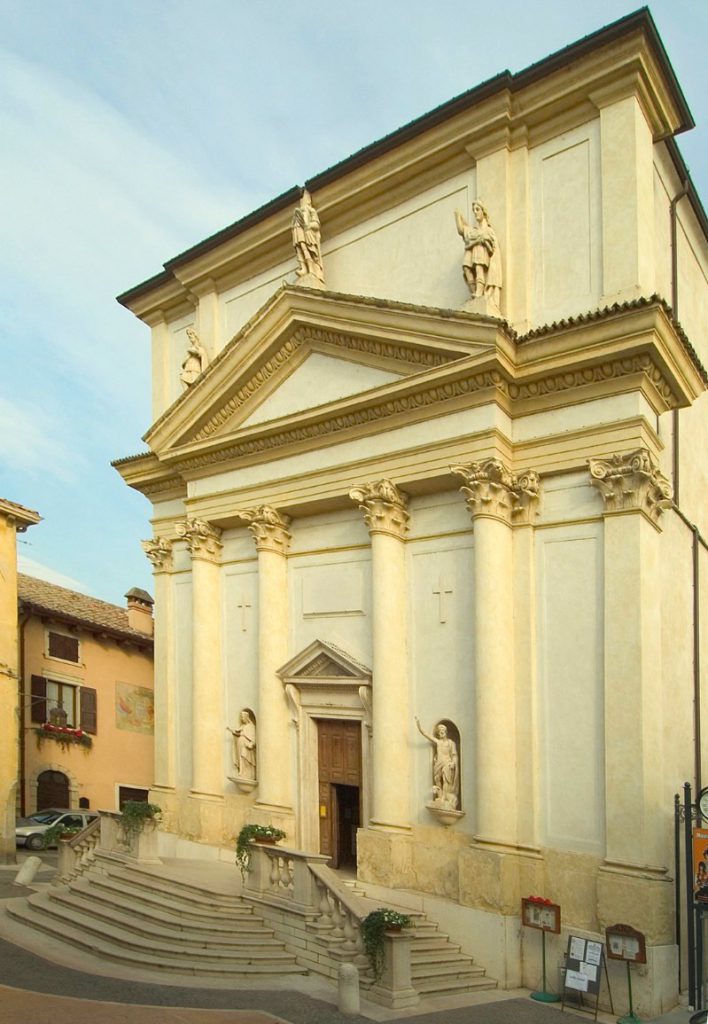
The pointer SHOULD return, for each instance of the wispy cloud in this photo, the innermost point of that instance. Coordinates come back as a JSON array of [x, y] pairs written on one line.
[[30, 442]]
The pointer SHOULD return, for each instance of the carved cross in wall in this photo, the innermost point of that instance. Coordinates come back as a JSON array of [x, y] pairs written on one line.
[[440, 593], [244, 606]]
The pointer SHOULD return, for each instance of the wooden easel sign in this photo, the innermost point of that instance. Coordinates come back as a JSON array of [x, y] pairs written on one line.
[[584, 967]]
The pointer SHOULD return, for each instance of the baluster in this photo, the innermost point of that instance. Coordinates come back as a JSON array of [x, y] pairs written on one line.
[[338, 930], [349, 930], [324, 921], [283, 875], [274, 874]]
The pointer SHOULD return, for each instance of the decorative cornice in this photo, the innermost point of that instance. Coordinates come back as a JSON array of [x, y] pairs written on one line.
[[203, 539], [493, 491], [384, 507], [631, 482], [613, 369], [159, 551], [358, 417], [269, 528], [314, 336]]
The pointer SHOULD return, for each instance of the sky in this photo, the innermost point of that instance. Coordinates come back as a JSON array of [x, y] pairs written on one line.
[[132, 129]]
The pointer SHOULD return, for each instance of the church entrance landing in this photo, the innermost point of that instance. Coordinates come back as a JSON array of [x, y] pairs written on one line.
[[339, 778]]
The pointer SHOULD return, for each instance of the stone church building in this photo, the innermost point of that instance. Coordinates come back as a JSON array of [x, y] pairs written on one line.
[[428, 484]]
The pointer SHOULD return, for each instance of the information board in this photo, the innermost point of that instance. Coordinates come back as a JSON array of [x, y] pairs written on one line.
[[584, 964]]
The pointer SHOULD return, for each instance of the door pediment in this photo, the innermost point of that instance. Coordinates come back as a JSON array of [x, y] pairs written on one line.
[[324, 664], [308, 349]]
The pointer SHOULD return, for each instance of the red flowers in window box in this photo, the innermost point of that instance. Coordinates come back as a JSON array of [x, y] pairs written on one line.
[[63, 734]]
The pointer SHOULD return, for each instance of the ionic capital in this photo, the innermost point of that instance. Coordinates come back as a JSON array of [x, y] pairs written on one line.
[[203, 539], [631, 482], [492, 490], [384, 507], [159, 551], [269, 528]]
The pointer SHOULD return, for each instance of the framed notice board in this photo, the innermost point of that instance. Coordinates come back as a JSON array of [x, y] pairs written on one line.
[[584, 967]]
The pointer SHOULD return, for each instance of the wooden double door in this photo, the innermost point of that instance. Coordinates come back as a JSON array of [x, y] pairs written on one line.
[[339, 775]]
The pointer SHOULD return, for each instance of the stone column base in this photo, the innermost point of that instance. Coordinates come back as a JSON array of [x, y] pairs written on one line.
[[385, 858]]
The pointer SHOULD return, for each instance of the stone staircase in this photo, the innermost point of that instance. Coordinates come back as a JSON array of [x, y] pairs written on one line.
[[438, 965], [166, 920], [136, 918]]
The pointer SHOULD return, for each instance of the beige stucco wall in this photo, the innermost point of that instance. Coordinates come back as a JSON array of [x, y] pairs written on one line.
[[118, 756]]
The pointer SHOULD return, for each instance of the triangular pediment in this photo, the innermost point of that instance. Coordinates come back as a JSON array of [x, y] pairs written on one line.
[[324, 661], [319, 379], [307, 350]]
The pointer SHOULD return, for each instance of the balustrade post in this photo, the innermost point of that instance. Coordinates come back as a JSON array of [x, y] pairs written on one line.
[[395, 988]]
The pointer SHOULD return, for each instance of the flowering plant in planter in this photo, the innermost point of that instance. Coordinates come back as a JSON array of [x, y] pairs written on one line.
[[64, 735], [372, 932], [250, 834]]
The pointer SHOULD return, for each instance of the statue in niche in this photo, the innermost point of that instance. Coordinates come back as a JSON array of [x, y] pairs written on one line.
[[245, 745], [306, 242], [481, 265], [446, 767], [195, 362]]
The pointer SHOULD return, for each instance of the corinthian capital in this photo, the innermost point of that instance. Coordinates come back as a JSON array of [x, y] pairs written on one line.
[[159, 551], [631, 481], [269, 528], [384, 507], [203, 539], [492, 490]]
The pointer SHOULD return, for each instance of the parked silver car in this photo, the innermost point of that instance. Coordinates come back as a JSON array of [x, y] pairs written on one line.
[[30, 831]]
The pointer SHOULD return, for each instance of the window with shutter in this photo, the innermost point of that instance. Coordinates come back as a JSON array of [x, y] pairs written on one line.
[[62, 646], [88, 709], [38, 701]]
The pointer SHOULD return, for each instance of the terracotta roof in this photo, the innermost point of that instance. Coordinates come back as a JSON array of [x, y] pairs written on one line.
[[78, 609]]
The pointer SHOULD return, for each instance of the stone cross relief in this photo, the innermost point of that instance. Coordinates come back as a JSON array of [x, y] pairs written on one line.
[[244, 606], [441, 593]]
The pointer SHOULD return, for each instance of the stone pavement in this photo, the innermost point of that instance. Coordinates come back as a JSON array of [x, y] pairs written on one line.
[[39, 991]]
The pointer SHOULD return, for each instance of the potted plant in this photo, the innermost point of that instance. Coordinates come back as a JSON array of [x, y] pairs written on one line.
[[372, 932], [136, 814], [254, 834], [58, 832]]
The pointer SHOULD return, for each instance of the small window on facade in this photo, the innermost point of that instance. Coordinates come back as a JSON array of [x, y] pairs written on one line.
[[62, 695], [63, 647]]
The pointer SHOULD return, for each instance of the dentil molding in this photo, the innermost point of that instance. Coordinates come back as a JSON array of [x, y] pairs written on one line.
[[203, 539], [492, 490], [384, 507], [632, 481], [269, 528]]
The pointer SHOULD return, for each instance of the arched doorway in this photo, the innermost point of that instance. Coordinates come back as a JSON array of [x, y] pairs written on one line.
[[52, 790]]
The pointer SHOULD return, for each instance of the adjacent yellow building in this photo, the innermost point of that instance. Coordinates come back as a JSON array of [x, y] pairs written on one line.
[[429, 443], [87, 718]]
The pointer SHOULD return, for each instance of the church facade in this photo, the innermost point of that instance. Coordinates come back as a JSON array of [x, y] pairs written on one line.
[[428, 481]]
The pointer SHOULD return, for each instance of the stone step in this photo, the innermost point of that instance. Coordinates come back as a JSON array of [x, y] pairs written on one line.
[[440, 956], [165, 948], [176, 905], [159, 911], [449, 986], [174, 929], [144, 881], [74, 934]]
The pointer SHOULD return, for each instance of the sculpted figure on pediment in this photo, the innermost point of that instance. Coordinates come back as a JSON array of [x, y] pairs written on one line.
[[195, 362], [306, 242], [481, 264]]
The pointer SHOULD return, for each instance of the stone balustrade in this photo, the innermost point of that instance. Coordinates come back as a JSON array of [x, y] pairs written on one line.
[[78, 853], [281, 879]]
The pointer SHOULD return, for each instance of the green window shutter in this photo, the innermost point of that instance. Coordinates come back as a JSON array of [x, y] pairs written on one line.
[[38, 704], [88, 718]]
